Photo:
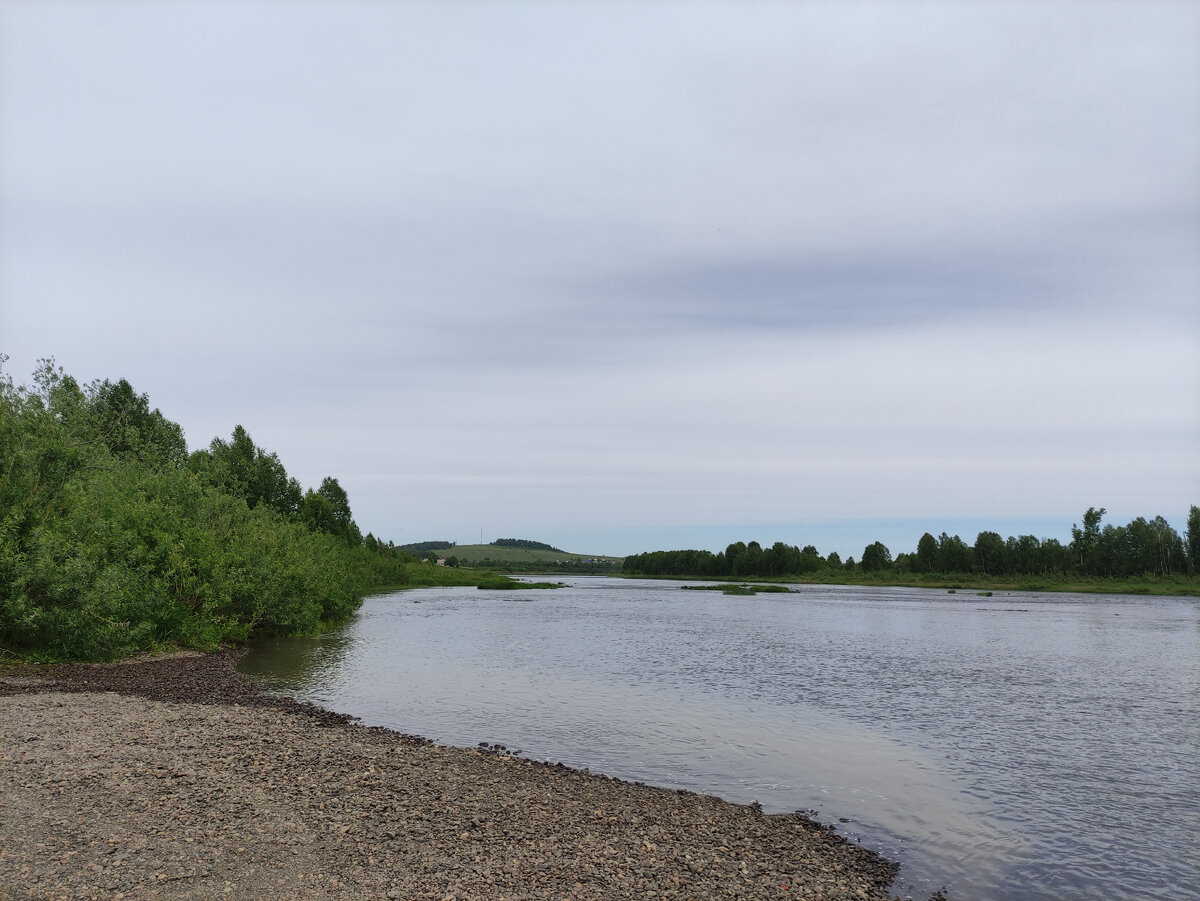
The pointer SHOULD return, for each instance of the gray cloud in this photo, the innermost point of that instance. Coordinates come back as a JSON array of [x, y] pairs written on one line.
[[855, 293], [564, 268]]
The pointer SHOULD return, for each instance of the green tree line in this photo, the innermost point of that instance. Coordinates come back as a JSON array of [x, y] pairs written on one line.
[[526, 544], [114, 539], [1141, 548], [421, 548]]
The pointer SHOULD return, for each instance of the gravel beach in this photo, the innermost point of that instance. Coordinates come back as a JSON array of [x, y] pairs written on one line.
[[176, 777]]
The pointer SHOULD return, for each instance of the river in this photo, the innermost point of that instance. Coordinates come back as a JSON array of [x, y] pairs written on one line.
[[1019, 746]]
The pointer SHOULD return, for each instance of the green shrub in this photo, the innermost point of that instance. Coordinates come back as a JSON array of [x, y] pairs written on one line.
[[114, 541]]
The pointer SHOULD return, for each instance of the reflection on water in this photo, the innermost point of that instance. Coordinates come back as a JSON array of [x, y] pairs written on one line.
[[1008, 747], [299, 664]]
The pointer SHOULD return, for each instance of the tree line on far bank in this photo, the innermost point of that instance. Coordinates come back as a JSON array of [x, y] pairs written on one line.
[[1141, 548], [114, 539]]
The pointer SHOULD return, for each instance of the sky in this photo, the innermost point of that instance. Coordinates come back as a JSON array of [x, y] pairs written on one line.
[[627, 276]]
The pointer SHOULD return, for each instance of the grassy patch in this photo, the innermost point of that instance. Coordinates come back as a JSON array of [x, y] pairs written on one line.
[[741, 590], [1166, 585], [504, 583]]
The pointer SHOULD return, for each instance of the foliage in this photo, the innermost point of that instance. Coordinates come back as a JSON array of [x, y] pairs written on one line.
[[1192, 543], [420, 548], [736, 562], [744, 589], [525, 560], [113, 540], [493, 582], [1143, 549], [875, 557], [526, 543], [240, 468]]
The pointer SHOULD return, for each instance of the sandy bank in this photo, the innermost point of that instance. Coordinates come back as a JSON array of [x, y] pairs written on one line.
[[176, 778]]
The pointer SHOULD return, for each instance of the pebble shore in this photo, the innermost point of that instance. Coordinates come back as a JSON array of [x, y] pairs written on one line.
[[177, 778]]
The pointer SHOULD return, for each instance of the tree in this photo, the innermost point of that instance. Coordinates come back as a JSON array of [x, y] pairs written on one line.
[[1053, 557], [954, 556], [876, 557], [779, 559], [246, 470], [1023, 554], [753, 559], [317, 513], [1083, 541], [333, 492], [927, 553], [990, 553], [328, 510], [1170, 546], [1115, 551], [45, 444], [1192, 541], [809, 560], [125, 422]]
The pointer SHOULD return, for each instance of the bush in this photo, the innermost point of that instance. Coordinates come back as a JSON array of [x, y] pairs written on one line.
[[112, 541]]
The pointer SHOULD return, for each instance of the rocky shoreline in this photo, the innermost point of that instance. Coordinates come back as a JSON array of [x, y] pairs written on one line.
[[178, 778]]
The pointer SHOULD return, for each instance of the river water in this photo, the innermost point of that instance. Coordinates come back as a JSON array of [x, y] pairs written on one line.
[[1022, 747]]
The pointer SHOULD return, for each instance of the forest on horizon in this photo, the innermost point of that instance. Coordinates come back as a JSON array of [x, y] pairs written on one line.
[[1142, 548]]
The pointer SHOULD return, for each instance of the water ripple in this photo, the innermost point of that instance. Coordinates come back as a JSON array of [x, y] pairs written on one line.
[[1030, 748]]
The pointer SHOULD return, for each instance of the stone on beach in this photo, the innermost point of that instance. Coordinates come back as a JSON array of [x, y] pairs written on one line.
[[178, 778]]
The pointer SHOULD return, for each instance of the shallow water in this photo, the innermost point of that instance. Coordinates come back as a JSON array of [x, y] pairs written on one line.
[[1017, 746]]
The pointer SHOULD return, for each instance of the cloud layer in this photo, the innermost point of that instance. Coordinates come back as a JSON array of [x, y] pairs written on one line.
[[629, 275]]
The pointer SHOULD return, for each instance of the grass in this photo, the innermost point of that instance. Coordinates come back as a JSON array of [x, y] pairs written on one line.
[[745, 589], [504, 583], [1167, 585], [1181, 586], [426, 575]]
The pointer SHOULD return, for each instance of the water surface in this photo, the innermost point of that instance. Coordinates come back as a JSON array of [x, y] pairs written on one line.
[[1029, 747]]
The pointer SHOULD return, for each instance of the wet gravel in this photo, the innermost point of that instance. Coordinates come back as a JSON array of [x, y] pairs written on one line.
[[178, 778]]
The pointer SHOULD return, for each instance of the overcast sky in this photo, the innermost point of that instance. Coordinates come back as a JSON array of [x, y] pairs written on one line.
[[623, 276]]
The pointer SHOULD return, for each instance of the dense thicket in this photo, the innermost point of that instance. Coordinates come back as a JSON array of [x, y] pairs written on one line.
[[114, 540], [1141, 548], [526, 544], [738, 561]]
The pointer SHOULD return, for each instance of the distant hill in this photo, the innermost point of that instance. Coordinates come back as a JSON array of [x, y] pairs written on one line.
[[527, 544], [423, 547], [523, 559]]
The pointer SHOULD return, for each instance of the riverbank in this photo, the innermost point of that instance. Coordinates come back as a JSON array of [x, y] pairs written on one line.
[[177, 778], [1181, 586]]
